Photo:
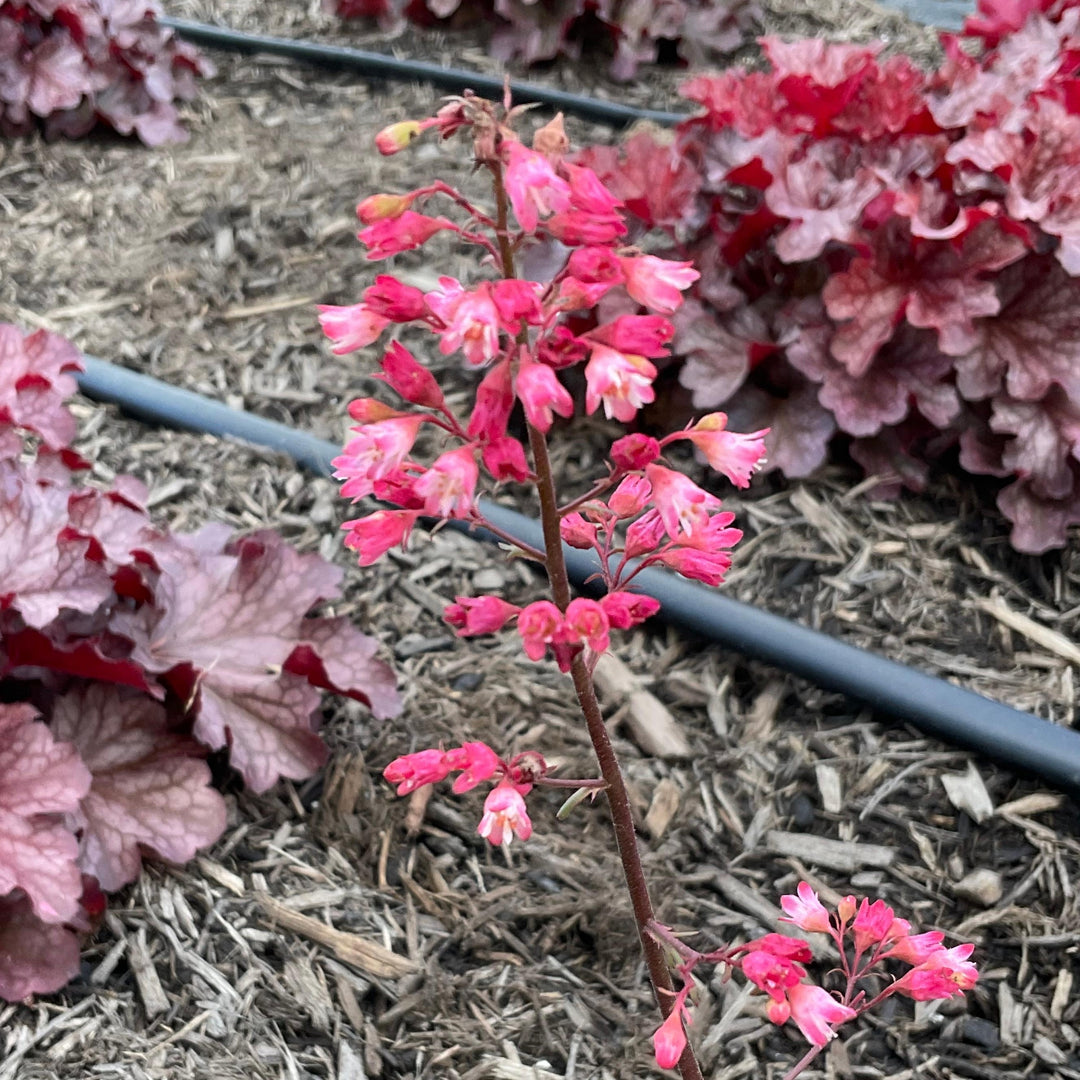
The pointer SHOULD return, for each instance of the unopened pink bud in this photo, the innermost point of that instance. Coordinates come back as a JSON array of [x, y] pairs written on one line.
[[393, 139], [669, 1042], [644, 536], [370, 410], [633, 452], [415, 770], [411, 379], [504, 458], [577, 532], [380, 207], [630, 497], [625, 609], [479, 614]]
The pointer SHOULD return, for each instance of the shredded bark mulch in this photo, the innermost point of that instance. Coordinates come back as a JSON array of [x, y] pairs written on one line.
[[338, 932]]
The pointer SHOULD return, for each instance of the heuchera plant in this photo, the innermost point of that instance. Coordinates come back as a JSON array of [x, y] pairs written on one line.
[[126, 653], [533, 30], [605, 307], [889, 253], [77, 63]]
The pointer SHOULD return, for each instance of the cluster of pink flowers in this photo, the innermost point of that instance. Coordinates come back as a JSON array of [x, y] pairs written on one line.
[[521, 334], [866, 935], [505, 814]]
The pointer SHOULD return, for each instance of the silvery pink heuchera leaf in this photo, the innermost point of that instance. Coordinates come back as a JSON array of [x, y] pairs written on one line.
[[40, 779], [35, 378], [35, 957], [334, 655], [149, 790], [225, 622], [41, 570]]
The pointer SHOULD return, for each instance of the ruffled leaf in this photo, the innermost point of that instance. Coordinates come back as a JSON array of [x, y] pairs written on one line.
[[149, 791]]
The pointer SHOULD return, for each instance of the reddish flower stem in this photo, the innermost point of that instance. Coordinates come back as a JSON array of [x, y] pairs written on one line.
[[618, 798]]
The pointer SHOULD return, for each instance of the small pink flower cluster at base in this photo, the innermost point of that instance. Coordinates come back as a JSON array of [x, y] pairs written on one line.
[[866, 935], [505, 814]]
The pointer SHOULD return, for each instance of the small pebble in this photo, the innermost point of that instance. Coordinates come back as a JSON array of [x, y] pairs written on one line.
[[488, 580], [414, 645], [980, 887], [802, 811], [981, 1032], [470, 680]]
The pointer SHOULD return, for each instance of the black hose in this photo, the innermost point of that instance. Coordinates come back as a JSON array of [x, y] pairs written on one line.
[[380, 65], [1017, 739]]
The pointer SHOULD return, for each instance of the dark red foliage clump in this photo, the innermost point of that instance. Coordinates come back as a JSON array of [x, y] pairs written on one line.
[[888, 253], [71, 64]]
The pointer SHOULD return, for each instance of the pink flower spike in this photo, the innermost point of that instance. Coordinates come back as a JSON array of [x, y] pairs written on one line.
[[472, 321], [448, 487], [805, 910], [917, 948], [534, 188], [377, 450], [394, 300], [374, 535], [587, 621], [539, 625], [644, 535], [622, 381], [350, 328], [405, 232], [944, 974], [708, 567], [587, 192], [411, 379], [683, 506], [505, 815], [494, 403], [504, 458], [634, 452], [775, 975], [815, 1010], [646, 335], [872, 924], [479, 615], [657, 284], [577, 532], [478, 761], [626, 609], [736, 456], [415, 770], [542, 394], [630, 497], [669, 1042]]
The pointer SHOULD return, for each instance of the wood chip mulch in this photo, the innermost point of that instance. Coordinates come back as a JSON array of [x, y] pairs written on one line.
[[336, 932]]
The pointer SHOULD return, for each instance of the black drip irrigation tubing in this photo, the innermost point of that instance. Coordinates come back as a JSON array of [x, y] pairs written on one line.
[[1024, 742], [379, 65]]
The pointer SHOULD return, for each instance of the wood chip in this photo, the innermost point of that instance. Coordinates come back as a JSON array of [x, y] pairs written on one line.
[[146, 977], [368, 956], [846, 856], [665, 802], [1050, 640], [651, 723], [828, 782], [967, 792]]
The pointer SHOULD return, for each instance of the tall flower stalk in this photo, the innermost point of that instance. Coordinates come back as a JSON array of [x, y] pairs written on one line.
[[601, 305]]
